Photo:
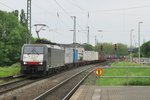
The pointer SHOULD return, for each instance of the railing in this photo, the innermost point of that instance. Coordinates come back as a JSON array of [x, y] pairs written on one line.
[[142, 60]]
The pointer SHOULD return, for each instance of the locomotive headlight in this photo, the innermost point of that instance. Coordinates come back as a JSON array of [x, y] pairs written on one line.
[[24, 62], [41, 63]]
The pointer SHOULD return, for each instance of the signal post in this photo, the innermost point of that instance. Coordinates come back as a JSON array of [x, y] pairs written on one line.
[[98, 73]]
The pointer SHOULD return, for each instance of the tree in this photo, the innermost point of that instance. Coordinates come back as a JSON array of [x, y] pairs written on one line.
[[145, 49], [88, 47], [12, 37], [109, 48], [122, 49], [23, 19], [16, 13]]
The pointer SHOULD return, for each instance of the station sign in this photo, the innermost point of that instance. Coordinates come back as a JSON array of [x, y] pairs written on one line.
[[130, 49]]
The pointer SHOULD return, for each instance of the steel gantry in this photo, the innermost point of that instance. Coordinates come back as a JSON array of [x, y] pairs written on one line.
[[29, 19]]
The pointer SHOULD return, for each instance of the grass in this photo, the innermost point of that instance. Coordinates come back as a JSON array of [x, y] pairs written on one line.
[[123, 63], [9, 70], [121, 71]]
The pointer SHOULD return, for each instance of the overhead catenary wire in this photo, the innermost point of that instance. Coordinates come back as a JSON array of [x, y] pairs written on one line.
[[56, 13], [11, 8], [6, 5], [82, 10], [65, 12], [129, 8], [76, 5], [62, 8]]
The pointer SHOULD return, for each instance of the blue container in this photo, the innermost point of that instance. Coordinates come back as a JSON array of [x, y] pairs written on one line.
[[75, 55]]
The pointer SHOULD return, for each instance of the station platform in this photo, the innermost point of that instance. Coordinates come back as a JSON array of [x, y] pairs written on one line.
[[87, 92]]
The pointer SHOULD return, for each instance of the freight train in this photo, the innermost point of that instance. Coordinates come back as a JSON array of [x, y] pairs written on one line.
[[42, 59]]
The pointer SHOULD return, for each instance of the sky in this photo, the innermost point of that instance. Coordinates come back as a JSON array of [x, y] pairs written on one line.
[[115, 19]]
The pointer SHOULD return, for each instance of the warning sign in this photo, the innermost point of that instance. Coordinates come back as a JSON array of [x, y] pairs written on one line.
[[98, 71]]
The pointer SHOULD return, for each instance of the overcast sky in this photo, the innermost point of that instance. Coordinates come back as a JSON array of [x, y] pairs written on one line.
[[114, 17]]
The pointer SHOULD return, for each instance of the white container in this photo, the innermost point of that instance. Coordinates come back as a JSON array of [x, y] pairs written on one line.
[[95, 57], [68, 55], [90, 56], [85, 56], [80, 53]]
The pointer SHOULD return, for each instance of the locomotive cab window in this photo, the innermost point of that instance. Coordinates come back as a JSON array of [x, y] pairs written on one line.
[[33, 50]]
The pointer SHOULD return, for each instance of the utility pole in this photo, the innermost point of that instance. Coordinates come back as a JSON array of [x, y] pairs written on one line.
[[139, 41], [131, 48], [29, 18], [88, 34], [74, 31], [87, 30], [95, 40]]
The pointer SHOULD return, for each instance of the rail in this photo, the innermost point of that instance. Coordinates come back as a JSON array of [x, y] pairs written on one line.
[[43, 95], [76, 87]]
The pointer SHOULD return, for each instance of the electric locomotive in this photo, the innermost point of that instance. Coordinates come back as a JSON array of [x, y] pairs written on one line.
[[40, 59]]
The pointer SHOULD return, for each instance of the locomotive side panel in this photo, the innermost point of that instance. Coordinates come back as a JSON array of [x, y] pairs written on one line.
[[57, 58]]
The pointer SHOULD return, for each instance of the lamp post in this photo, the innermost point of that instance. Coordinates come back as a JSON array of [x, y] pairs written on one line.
[[74, 31], [139, 23], [100, 31], [131, 44], [101, 47]]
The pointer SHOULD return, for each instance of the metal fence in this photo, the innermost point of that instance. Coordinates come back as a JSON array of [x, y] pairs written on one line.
[[142, 60]]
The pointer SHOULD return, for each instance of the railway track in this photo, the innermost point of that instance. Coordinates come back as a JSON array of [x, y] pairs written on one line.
[[31, 91], [12, 77], [66, 88], [9, 86], [12, 85]]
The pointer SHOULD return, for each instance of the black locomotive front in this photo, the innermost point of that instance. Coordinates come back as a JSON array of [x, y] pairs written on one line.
[[32, 60]]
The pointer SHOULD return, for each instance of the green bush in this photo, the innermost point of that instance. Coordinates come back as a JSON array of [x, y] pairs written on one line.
[[10, 70], [142, 82]]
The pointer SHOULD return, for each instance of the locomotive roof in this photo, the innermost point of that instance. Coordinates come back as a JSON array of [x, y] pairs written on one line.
[[46, 45]]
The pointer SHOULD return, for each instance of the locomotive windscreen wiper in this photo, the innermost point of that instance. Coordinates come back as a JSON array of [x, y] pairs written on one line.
[[33, 50]]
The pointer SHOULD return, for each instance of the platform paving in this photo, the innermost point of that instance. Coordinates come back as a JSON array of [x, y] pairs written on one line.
[[87, 92]]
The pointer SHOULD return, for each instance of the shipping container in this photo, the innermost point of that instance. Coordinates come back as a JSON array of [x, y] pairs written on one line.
[[87, 56], [68, 55], [75, 55], [90, 56], [100, 57], [80, 53], [96, 56]]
